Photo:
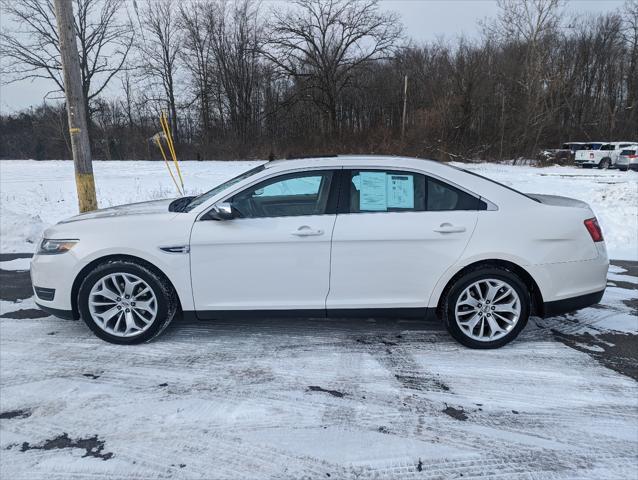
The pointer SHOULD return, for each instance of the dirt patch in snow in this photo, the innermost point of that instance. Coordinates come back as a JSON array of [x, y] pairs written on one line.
[[421, 383], [15, 414], [92, 445], [617, 351], [456, 413], [334, 393]]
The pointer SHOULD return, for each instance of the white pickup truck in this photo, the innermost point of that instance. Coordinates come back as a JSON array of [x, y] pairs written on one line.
[[600, 154]]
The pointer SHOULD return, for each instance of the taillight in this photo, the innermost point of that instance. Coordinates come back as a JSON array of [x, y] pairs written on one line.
[[594, 229], [632, 156]]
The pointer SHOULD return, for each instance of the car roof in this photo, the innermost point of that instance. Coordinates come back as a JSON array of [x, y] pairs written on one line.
[[364, 161]]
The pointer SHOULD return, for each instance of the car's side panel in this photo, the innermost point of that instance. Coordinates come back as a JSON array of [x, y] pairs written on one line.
[[261, 263], [393, 260], [546, 241], [97, 241]]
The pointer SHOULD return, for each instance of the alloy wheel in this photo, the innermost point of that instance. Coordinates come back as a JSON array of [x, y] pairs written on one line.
[[487, 310], [122, 304]]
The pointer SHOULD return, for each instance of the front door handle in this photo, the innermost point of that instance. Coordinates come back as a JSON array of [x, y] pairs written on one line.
[[449, 228], [306, 231]]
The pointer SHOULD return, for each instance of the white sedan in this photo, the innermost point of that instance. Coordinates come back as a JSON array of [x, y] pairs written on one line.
[[363, 236]]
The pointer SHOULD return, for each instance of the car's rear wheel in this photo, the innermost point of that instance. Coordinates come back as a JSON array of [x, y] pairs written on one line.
[[604, 164], [126, 303], [487, 307]]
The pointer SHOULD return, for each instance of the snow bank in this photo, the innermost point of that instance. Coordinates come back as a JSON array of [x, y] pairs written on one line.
[[36, 194]]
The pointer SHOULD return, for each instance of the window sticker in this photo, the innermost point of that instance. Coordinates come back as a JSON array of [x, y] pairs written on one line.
[[373, 192], [400, 190]]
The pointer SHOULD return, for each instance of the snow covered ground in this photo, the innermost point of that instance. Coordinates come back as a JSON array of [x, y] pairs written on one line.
[[313, 399], [35, 194]]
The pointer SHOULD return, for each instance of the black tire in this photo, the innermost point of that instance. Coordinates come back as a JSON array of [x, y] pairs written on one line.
[[485, 272], [167, 301], [604, 164], [622, 169]]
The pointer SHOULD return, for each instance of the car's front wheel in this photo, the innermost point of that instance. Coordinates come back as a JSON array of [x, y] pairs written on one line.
[[124, 302], [487, 307]]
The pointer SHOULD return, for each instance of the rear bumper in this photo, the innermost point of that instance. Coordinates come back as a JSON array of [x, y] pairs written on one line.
[[558, 307]]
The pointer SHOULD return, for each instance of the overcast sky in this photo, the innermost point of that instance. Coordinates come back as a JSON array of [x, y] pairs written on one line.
[[424, 20]]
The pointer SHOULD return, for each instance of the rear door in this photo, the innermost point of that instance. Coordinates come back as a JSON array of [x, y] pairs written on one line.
[[395, 235]]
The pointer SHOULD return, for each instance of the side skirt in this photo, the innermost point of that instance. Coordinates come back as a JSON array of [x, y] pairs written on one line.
[[423, 313]]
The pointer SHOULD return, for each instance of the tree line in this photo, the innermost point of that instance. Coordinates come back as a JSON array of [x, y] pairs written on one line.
[[238, 80]]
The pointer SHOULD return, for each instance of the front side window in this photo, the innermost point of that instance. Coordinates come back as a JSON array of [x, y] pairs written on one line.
[[294, 194], [396, 191], [220, 188]]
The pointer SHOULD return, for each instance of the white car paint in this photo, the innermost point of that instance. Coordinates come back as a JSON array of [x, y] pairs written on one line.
[[359, 261]]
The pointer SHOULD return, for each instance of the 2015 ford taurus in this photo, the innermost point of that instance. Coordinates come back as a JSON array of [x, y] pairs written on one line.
[[344, 236]]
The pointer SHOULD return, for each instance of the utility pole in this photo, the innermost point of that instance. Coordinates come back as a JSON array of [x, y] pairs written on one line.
[[75, 107], [405, 102]]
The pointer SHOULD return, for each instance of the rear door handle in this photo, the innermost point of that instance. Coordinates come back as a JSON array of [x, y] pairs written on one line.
[[306, 231], [449, 228]]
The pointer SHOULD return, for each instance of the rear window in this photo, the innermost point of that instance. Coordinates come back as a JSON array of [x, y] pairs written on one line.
[[628, 152], [497, 183]]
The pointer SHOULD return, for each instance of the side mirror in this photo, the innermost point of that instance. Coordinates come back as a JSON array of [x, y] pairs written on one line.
[[220, 211]]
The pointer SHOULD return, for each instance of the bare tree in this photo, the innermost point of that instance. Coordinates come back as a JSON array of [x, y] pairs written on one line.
[[630, 31], [197, 55], [159, 51], [320, 43], [31, 49], [236, 40]]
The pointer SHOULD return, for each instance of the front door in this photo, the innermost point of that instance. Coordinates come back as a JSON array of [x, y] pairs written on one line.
[[394, 237], [275, 255]]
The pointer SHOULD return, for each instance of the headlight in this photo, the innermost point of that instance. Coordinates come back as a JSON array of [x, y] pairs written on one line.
[[53, 247]]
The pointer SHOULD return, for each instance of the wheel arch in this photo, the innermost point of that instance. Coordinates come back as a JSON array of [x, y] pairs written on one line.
[[89, 267], [537, 307]]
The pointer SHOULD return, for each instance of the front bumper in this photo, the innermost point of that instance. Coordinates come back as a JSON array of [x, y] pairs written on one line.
[[52, 280], [65, 314]]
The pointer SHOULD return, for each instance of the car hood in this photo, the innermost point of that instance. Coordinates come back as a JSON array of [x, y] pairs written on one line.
[[142, 208]]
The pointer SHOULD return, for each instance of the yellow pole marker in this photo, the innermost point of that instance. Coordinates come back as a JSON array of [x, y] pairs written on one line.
[[171, 146], [159, 144]]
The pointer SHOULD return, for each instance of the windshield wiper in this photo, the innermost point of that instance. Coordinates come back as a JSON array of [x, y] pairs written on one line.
[[179, 204]]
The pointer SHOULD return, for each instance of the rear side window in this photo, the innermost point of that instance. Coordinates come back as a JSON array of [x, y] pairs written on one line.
[[398, 191]]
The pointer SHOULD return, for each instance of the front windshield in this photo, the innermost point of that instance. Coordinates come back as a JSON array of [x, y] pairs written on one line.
[[221, 187]]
